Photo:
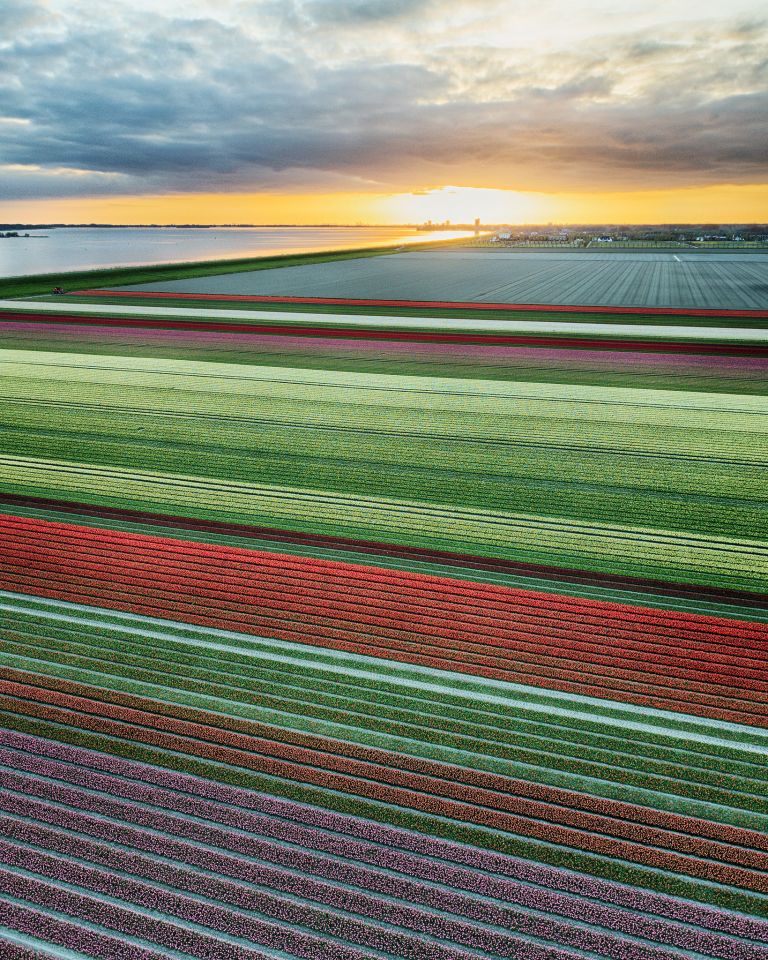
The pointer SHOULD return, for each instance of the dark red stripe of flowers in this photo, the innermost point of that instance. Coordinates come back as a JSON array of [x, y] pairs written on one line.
[[37, 923], [233, 922], [413, 791], [434, 304], [446, 558], [413, 336], [718, 708], [482, 910], [418, 611], [166, 933], [595, 812], [378, 615], [486, 872], [473, 642], [412, 586], [480, 649], [526, 653], [681, 700]]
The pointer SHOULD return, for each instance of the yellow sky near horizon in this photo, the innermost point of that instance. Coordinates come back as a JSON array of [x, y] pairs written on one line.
[[725, 203]]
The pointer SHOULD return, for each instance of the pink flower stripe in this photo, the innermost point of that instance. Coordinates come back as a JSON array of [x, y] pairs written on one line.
[[365, 932], [68, 933], [95, 909], [538, 357], [409, 336]]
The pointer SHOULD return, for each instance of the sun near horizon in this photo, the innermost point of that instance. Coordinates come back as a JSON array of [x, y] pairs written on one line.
[[727, 203]]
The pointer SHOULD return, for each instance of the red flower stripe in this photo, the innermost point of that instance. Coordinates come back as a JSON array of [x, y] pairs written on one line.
[[31, 530], [681, 703], [534, 645], [374, 548], [539, 633], [278, 615], [724, 708]]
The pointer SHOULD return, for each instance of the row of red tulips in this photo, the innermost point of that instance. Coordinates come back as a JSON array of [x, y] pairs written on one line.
[[399, 586], [736, 705]]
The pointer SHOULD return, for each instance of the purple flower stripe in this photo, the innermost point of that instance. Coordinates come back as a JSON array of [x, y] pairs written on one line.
[[484, 911], [15, 951], [37, 923], [163, 932], [237, 924], [305, 887], [363, 840]]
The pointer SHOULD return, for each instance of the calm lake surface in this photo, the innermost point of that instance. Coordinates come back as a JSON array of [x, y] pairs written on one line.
[[74, 248]]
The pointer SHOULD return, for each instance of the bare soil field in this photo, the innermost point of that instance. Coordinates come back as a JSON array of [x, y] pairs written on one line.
[[685, 279]]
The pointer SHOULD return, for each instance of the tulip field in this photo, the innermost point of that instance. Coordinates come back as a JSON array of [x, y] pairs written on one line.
[[378, 635]]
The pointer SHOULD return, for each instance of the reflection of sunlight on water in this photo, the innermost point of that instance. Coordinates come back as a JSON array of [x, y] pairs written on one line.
[[80, 249]]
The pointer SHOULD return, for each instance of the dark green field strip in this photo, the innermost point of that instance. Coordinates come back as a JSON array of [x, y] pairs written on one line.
[[658, 495], [572, 587], [310, 700], [681, 472], [498, 462], [600, 773]]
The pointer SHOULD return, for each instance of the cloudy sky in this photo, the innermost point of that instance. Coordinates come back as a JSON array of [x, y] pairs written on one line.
[[376, 110]]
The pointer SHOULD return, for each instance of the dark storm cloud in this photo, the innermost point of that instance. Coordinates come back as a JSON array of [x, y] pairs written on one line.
[[126, 103]]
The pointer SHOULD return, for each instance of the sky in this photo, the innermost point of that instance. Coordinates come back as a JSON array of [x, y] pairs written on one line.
[[383, 111]]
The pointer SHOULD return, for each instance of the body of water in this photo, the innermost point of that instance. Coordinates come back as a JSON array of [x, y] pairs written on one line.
[[83, 248]]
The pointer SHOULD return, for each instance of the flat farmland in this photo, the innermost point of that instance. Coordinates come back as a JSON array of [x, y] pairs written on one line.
[[729, 281]]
